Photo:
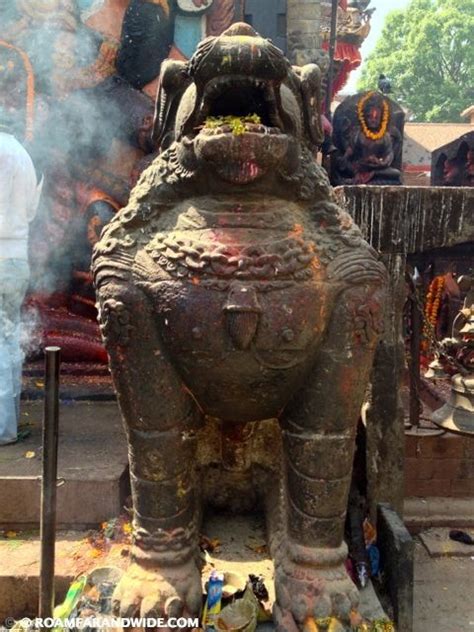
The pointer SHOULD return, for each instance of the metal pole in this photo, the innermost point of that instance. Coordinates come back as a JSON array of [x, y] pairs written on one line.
[[332, 51], [49, 481], [415, 354]]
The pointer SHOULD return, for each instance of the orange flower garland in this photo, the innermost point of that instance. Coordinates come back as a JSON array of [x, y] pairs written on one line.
[[433, 303], [363, 123], [30, 88]]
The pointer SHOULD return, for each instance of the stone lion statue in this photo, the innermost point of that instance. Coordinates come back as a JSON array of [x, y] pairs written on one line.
[[240, 308]]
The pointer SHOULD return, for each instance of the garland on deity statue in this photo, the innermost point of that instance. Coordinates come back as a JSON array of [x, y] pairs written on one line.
[[363, 123], [432, 307]]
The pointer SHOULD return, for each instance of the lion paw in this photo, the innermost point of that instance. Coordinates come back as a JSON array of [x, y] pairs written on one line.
[[160, 593], [306, 595]]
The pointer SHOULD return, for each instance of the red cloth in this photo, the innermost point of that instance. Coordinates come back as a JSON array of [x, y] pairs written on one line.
[[327, 126], [343, 4], [349, 58]]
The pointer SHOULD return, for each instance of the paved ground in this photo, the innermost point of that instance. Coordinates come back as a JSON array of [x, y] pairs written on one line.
[[444, 589], [443, 585], [92, 464]]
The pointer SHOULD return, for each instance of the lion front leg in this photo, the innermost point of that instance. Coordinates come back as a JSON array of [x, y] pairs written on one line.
[[318, 435], [160, 420]]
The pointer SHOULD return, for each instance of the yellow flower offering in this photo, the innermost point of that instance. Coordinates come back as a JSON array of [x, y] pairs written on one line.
[[236, 123]]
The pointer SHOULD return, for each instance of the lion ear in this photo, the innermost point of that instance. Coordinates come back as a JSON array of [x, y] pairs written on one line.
[[310, 80], [174, 79]]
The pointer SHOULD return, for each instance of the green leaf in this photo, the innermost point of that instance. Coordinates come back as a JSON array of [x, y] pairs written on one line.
[[64, 610]]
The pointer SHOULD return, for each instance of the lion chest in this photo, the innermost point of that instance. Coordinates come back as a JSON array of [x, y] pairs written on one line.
[[241, 312]]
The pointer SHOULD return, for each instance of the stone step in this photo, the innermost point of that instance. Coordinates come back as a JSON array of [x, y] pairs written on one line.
[[438, 543], [434, 511], [92, 467], [87, 382]]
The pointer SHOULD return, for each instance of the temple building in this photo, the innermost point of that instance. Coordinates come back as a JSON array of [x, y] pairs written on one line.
[[421, 140], [302, 30], [76, 44]]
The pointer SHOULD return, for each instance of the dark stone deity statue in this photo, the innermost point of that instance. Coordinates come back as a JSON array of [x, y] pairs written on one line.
[[368, 141], [240, 307], [452, 165]]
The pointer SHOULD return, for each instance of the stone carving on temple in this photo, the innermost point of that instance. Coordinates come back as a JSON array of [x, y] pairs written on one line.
[[367, 141], [232, 290], [84, 88], [452, 165]]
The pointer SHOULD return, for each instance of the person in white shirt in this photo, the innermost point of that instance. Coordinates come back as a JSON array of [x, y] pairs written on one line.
[[19, 198]]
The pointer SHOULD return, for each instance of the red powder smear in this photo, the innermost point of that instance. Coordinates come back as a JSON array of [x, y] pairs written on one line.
[[249, 170], [229, 238], [297, 231], [346, 387], [345, 220]]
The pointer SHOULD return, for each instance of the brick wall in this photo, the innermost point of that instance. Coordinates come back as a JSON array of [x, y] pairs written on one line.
[[416, 179], [439, 466]]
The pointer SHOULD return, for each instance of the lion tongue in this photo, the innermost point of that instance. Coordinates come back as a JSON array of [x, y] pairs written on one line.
[[243, 172]]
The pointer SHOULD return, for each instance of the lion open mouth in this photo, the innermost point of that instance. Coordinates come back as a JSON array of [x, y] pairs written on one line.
[[238, 105], [241, 128]]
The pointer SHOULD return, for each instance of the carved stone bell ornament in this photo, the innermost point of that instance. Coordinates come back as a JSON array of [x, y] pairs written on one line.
[[457, 415]]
